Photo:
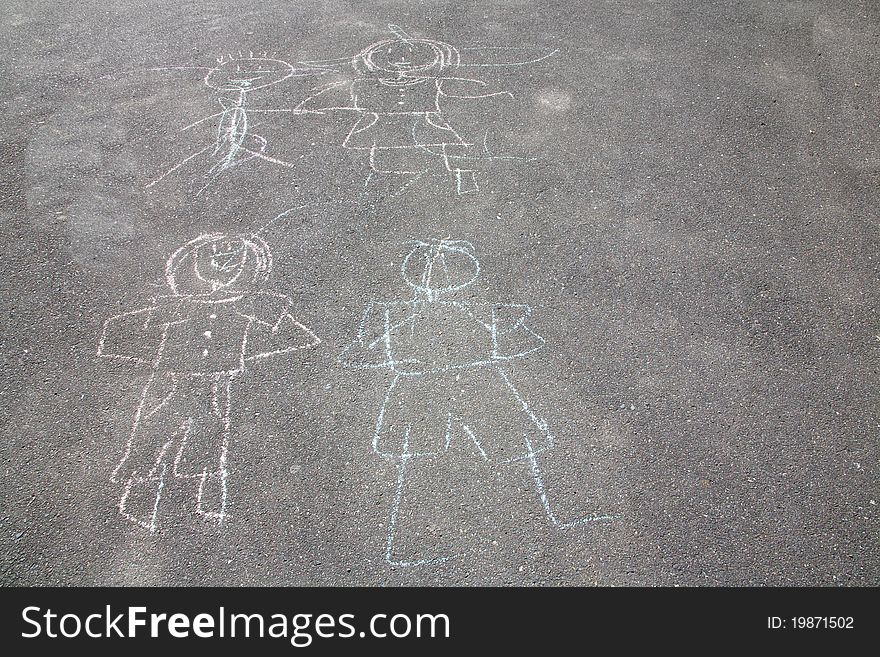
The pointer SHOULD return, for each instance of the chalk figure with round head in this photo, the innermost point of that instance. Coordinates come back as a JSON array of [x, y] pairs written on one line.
[[404, 56], [399, 95], [235, 79], [217, 262], [196, 342], [450, 394], [248, 73]]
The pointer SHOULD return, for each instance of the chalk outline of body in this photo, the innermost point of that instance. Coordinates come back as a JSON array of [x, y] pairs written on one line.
[[401, 75], [428, 291], [252, 247], [233, 126]]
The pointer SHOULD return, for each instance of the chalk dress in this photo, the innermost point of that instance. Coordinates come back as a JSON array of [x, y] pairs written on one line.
[[400, 114], [394, 113], [450, 389]]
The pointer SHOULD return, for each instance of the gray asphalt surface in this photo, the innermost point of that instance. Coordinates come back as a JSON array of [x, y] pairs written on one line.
[[697, 237]]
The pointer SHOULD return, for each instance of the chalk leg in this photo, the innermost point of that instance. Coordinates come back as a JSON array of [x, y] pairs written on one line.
[[466, 181], [500, 423], [437, 511], [394, 183], [397, 169], [152, 432], [212, 496], [540, 488], [141, 497], [203, 444], [414, 418], [412, 160]]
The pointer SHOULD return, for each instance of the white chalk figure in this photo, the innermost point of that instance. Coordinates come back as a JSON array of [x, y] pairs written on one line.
[[197, 341], [235, 143], [450, 387], [398, 94]]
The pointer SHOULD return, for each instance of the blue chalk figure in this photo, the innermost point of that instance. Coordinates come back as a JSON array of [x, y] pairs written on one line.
[[196, 341], [450, 388]]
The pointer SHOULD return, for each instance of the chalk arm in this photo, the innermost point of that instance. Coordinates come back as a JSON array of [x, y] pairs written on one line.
[[129, 337]]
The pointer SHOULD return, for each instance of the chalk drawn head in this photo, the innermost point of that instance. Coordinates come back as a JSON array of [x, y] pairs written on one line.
[[247, 73], [405, 56], [440, 266], [216, 262]]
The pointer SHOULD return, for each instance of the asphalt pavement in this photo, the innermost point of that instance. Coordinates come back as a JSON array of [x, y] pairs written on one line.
[[440, 293]]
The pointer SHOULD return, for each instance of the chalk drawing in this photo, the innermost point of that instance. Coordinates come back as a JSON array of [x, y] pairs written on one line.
[[447, 358], [197, 341], [235, 78], [398, 95]]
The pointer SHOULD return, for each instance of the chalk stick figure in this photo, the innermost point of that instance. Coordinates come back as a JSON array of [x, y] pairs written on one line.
[[197, 341], [399, 93], [235, 143], [450, 387]]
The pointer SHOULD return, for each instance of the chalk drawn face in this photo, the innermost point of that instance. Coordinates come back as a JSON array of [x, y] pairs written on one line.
[[410, 57], [405, 57], [220, 263], [211, 263], [248, 73], [440, 266]]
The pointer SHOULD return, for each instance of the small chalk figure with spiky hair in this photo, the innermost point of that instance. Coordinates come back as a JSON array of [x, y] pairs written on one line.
[[450, 390], [235, 78], [399, 92], [196, 342]]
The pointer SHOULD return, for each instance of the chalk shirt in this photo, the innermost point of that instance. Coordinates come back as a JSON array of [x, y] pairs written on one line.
[[421, 338], [397, 96], [207, 334], [393, 113], [450, 386]]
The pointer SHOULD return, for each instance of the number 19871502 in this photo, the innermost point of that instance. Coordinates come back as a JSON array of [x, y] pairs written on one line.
[[810, 623]]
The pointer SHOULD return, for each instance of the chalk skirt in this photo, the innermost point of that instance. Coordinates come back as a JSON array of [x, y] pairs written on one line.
[[471, 409], [401, 131]]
